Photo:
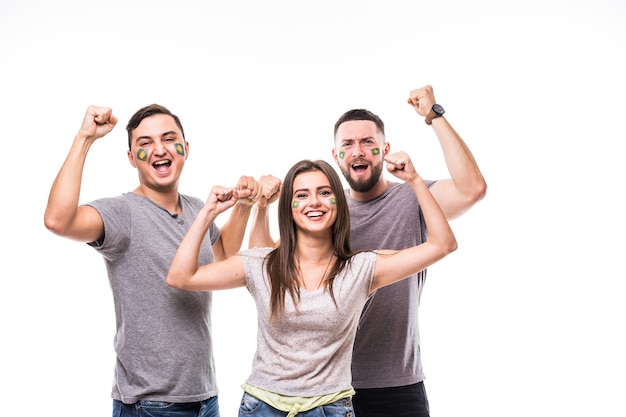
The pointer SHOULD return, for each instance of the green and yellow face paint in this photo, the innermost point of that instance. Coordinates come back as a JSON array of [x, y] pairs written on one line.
[[295, 204], [332, 200], [342, 154], [375, 151], [180, 149], [142, 155]]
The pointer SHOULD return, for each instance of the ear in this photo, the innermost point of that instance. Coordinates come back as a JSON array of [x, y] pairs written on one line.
[[335, 156], [186, 149], [386, 149], [131, 158]]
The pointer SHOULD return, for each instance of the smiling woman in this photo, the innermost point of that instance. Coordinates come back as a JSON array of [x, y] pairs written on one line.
[[314, 202], [309, 290]]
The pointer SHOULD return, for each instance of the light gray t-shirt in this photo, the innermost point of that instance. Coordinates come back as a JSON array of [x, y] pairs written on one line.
[[307, 353], [387, 345], [163, 335]]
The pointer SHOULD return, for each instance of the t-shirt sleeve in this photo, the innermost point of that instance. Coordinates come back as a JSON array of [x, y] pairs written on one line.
[[117, 222]]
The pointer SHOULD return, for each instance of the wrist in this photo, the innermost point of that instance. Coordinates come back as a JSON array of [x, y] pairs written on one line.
[[243, 206], [435, 111]]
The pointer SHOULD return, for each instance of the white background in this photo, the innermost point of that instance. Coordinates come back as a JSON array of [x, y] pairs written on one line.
[[526, 318]]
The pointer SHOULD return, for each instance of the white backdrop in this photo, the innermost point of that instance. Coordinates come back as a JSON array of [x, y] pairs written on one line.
[[526, 318]]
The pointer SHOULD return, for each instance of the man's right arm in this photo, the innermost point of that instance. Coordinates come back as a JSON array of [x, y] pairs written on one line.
[[260, 236], [63, 215]]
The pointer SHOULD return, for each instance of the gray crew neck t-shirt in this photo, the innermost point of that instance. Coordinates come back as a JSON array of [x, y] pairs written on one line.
[[387, 345], [163, 335], [307, 353]]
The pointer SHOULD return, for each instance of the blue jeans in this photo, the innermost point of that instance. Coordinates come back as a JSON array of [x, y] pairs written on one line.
[[206, 408], [252, 406], [405, 401]]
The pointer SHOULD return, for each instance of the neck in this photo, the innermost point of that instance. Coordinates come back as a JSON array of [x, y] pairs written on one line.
[[314, 249], [315, 258], [313, 272], [168, 200], [378, 189]]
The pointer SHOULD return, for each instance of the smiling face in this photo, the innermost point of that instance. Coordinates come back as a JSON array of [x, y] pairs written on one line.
[[359, 151], [313, 204], [158, 151]]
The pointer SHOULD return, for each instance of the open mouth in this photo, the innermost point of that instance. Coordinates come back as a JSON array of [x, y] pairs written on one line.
[[314, 214], [162, 165], [360, 167]]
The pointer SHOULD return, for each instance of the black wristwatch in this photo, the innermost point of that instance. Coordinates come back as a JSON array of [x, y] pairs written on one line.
[[435, 111]]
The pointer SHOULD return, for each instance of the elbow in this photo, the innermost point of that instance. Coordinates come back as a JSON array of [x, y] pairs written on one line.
[[173, 282], [474, 193], [453, 246], [444, 247], [467, 200], [54, 225], [479, 192], [449, 246]]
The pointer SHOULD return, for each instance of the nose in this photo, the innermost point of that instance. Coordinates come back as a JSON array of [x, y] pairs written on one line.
[[159, 148], [357, 150], [314, 200]]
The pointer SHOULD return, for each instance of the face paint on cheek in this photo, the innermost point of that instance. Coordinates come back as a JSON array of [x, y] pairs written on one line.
[[332, 200], [295, 204], [142, 155], [180, 149], [375, 151], [342, 154]]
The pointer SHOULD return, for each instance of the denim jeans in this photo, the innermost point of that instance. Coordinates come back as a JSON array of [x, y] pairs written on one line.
[[405, 401], [252, 406], [206, 408]]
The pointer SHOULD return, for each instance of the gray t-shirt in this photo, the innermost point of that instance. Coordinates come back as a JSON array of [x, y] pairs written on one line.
[[163, 335], [307, 353], [387, 345]]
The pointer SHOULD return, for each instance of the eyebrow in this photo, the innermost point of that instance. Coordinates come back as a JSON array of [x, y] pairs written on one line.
[[321, 187], [357, 140], [171, 132]]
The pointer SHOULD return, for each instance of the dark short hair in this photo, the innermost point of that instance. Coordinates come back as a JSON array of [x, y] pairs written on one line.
[[360, 114], [148, 111]]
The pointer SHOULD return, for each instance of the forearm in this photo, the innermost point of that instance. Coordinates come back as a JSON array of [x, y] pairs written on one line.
[[64, 194], [233, 231], [260, 236], [185, 262], [439, 230]]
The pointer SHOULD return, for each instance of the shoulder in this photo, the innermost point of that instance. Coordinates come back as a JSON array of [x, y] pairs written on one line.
[[256, 252], [404, 190], [253, 260], [363, 259], [111, 203], [361, 268], [191, 201]]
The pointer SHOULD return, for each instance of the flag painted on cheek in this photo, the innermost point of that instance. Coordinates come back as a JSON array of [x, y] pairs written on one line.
[[332, 200], [180, 149], [295, 204], [375, 151], [342, 154], [142, 155]]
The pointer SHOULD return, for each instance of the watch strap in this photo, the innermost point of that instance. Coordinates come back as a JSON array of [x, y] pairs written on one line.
[[430, 116]]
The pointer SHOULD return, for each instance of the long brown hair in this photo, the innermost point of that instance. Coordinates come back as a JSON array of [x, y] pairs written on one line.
[[282, 265]]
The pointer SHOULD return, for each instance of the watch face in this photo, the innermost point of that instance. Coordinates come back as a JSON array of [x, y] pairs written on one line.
[[438, 109]]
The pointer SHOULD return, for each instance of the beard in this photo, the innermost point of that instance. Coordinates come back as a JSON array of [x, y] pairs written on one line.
[[363, 185]]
